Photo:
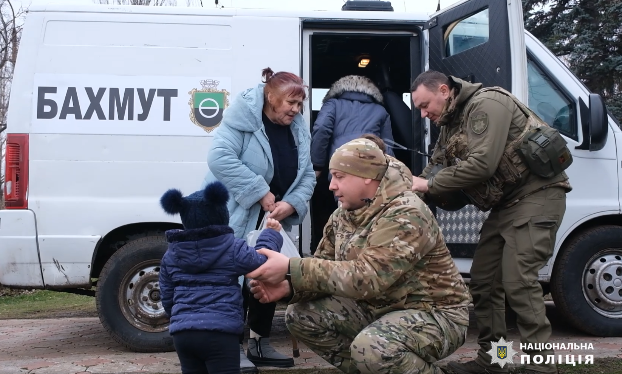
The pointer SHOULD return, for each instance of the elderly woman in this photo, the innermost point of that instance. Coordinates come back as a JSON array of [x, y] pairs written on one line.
[[261, 153]]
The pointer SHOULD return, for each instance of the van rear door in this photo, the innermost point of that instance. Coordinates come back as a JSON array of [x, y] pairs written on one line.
[[481, 41]]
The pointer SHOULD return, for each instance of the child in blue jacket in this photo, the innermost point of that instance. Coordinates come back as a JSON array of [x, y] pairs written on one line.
[[199, 279]]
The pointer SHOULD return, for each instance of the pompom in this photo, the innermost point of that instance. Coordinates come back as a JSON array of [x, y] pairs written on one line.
[[172, 201], [216, 193]]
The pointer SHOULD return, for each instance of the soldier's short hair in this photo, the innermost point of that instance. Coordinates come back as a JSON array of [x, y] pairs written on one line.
[[431, 79], [376, 139]]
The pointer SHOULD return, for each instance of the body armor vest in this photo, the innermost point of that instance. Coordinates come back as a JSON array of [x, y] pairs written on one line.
[[511, 168]]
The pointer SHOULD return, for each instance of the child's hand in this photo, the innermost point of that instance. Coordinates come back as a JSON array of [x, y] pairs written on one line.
[[271, 223]]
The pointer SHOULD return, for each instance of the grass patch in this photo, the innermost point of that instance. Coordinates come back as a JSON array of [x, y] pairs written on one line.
[[46, 304]]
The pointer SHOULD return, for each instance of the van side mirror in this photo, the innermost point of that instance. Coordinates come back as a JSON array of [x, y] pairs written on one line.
[[594, 123]]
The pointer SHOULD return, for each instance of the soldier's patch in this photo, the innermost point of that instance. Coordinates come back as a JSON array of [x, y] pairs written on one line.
[[479, 122]]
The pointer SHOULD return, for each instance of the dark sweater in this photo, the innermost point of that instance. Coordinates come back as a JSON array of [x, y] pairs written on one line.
[[284, 156]]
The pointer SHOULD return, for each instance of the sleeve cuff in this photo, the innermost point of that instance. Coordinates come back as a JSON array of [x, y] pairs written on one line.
[[296, 272]]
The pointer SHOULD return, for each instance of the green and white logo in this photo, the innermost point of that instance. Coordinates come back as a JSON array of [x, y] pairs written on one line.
[[208, 104]]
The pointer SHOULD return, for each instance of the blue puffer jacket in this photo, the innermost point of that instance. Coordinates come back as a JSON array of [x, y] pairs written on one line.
[[199, 277], [352, 107]]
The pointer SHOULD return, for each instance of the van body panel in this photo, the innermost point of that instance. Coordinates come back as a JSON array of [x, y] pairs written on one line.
[[66, 260], [588, 199], [19, 253]]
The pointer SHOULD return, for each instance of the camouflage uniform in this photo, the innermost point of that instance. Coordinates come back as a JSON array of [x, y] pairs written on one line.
[[478, 130], [382, 293]]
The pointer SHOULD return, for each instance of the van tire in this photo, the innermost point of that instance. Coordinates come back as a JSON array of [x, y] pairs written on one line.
[[128, 296], [587, 281]]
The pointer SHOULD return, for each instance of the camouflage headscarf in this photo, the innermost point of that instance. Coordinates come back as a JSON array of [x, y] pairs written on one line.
[[360, 157]]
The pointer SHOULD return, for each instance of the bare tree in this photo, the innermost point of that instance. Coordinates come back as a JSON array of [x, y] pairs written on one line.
[[138, 2], [10, 34]]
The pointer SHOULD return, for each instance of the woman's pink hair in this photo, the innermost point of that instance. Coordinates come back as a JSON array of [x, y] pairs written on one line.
[[283, 84]]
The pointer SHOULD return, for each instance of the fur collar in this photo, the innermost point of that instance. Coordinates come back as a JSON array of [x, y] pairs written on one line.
[[194, 235], [354, 83]]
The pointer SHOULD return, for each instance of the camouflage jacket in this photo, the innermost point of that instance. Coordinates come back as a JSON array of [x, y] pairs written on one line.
[[477, 127], [390, 255]]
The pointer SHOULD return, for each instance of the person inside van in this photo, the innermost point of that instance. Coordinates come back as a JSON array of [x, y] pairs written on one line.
[[261, 153], [199, 279], [352, 107], [382, 293]]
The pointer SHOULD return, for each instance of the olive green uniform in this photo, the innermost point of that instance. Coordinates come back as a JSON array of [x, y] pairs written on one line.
[[478, 128]]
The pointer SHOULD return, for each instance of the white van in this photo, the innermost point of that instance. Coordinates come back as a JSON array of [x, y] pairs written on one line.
[[113, 105]]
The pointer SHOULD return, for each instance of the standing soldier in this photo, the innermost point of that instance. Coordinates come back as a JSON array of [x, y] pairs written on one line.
[[382, 294], [483, 154]]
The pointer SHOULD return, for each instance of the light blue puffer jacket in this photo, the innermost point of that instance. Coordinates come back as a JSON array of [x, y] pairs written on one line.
[[240, 157]]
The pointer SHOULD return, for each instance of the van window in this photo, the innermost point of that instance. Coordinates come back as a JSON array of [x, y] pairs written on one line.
[[467, 33], [549, 102]]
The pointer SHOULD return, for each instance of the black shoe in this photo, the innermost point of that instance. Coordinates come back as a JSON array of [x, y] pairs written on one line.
[[246, 367], [261, 353]]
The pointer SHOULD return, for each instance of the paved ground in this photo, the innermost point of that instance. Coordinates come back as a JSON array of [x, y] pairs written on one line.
[[80, 345]]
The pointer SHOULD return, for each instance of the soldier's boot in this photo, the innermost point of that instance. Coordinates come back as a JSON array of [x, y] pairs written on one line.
[[472, 367], [246, 367], [261, 353]]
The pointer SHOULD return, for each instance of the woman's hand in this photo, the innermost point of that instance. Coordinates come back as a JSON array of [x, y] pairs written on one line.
[[281, 211], [267, 203]]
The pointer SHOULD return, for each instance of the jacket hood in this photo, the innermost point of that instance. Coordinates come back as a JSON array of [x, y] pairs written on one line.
[[397, 181], [197, 250], [244, 113], [354, 83], [460, 94]]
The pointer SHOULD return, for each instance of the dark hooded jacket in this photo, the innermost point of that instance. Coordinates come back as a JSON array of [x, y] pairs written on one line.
[[199, 277], [352, 107]]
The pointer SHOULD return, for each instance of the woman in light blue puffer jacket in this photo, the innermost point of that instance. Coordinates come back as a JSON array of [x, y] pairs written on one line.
[[261, 153]]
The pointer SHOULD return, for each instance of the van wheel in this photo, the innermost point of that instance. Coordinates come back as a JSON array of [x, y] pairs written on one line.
[[128, 296], [587, 281]]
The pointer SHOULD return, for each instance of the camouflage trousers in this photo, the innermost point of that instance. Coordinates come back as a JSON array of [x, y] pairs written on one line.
[[344, 333]]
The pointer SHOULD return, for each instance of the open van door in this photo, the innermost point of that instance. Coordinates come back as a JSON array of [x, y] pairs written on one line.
[[480, 41]]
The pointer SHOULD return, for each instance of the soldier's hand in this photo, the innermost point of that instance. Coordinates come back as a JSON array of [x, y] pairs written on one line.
[[420, 185], [273, 270], [268, 293]]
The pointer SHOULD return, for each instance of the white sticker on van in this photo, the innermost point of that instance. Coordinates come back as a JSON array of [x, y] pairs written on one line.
[[130, 105]]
